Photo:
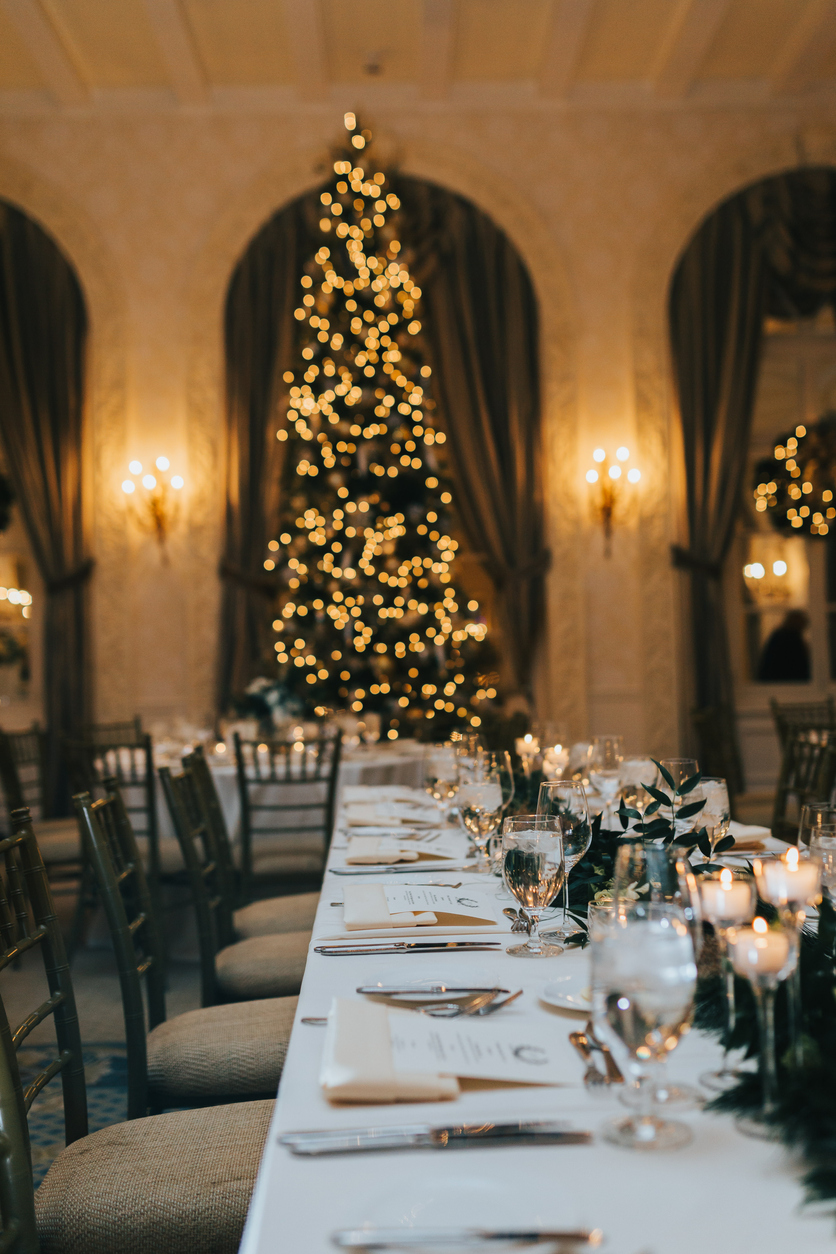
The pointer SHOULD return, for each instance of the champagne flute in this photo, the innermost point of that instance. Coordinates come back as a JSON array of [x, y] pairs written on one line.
[[766, 958], [605, 761], [533, 870], [643, 982], [728, 899], [567, 801]]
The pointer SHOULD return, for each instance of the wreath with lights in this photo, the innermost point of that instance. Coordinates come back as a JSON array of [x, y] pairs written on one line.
[[796, 487]]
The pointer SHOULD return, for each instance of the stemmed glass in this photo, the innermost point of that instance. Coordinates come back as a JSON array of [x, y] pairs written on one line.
[[791, 884], [680, 770], [441, 774], [728, 899], [766, 958], [566, 800], [823, 848], [636, 773], [483, 800], [533, 870], [605, 759], [643, 981], [715, 815], [815, 815]]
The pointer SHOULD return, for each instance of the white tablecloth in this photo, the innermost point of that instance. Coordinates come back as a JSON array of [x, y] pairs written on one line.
[[724, 1192]]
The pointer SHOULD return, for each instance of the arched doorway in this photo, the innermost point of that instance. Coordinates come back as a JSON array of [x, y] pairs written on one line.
[[767, 252]]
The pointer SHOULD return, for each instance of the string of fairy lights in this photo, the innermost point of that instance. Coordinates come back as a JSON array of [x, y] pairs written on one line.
[[356, 414], [795, 486]]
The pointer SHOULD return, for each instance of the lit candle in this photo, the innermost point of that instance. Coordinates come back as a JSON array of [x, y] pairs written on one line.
[[757, 951], [726, 901], [527, 746], [787, 881]]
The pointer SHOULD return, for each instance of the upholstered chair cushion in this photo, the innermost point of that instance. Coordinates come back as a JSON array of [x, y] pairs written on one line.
[[277, 914], [263, 966], [180, 1181], [233, 1051], [275, 862]]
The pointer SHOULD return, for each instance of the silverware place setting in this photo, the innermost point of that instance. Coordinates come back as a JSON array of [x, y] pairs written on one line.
[[349, 949], [478, 1006], [560, 1242]]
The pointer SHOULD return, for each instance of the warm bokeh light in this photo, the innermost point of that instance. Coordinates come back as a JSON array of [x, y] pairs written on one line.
[[779, 568], [163, 463], [615, 472], [148, 481], [592, 476], [177, 481], [622, 453], [634, 475], [135, 467], [598, 455], [128, 486]]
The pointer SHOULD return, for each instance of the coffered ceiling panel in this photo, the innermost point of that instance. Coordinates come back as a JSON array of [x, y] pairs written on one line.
[[110, 41], [241, 44], [751, 38], [373, 39], [625, 40], [500, 39], [17, 69]]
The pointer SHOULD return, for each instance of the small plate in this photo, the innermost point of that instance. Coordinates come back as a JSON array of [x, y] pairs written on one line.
[[568, 992]]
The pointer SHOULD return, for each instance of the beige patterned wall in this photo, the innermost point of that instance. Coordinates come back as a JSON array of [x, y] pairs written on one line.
[[154, 208]]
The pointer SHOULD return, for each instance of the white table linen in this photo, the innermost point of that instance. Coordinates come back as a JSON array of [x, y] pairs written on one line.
[[723, 1192]]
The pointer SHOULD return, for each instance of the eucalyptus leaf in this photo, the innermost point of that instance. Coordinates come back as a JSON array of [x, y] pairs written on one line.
[[704, 844], [666, 775], [652, 808], [726, 843], [689, 784], [693, 807], [661, 797]]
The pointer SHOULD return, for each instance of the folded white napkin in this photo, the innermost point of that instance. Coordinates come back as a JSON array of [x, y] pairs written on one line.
[[357, 1062], [377, 909], [369, 850], [383, 792], [390, 813], [749, 836]]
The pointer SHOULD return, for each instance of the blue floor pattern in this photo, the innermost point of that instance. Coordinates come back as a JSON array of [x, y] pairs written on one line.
[[105, 1070]]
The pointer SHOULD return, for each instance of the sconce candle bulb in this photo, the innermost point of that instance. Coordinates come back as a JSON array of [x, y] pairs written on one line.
[[154, 510], [608, 493]]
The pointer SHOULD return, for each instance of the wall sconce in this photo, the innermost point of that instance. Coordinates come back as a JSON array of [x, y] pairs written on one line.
[[607, 496], [156, 505], [776, 572]]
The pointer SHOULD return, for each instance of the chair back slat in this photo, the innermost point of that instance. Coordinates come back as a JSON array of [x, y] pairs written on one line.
[[111, 849], [300, 777], [213, 895], [22, 770], [17, 1198], [808, 773], [803, 716], [195, 764], [29, 922]]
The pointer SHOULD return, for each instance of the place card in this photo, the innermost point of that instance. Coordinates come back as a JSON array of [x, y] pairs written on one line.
[[519, 1052], [461, 902], [379, 907]]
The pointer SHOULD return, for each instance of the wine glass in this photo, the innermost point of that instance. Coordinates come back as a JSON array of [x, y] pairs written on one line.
[[715, 815], [643, 981], [567, 801], [728, 899], [441, 774], [680, 770], [636, 774], [533, 870], [766, 958], [605, 759], [823, 847], [814, 815], [482, 801]]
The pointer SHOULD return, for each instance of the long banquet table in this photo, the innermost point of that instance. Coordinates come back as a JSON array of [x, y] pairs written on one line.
[[724, 1192]]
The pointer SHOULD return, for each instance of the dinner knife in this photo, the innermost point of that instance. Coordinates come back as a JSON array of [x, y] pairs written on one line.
[[425, 1136], [403, 868], [412, 1238], [414, 990], [404, 947]]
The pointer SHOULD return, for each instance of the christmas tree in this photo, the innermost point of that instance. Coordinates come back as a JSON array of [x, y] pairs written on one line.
[[370, 617]]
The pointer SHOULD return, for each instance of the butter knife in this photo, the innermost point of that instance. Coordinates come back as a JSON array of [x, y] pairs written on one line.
[[404, 868], [425, 1136], [429, 990], [412, 1238]]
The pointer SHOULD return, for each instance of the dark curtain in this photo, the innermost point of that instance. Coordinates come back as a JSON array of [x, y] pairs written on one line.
[[43, 332], [482, 327], [259, 341], [770, 249]]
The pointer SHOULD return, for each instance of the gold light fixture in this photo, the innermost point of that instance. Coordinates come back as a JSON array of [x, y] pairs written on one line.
[[155, 497], [606, 480]]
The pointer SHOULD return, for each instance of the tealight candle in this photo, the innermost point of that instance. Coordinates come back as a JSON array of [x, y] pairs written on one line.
[[527, 746], [755, 951], [787, 881], [726, 901]]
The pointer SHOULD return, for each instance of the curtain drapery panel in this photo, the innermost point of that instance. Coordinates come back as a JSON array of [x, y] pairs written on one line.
[[43, 333]]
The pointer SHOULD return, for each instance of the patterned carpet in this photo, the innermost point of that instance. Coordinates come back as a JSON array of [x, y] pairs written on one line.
[[106, 1074]]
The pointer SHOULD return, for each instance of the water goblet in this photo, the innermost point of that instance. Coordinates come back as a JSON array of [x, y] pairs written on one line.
[[728, 899], [766, 958], [441, 774], [715, 815], [814, 815], [823, 849], [791, 883], [605, 759], [533, 870], [566, 800], [482, 802], [643, 981], [681, 770]]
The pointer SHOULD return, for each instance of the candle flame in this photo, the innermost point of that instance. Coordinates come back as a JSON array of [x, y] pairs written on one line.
[[760, 925], [725, 877], [527, 738], [791, 858]]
